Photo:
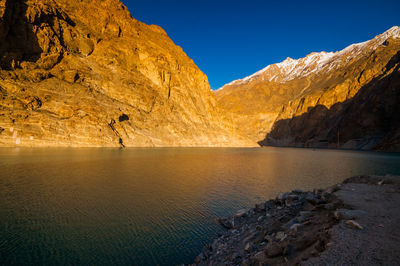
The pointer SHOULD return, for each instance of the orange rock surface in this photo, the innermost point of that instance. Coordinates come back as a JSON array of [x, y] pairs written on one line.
[[86, 73]]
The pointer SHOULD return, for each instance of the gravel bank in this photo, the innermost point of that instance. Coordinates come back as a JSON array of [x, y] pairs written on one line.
[[353, 223]]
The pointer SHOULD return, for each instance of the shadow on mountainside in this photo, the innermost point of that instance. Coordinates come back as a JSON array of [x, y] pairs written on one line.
[[18, 41], [369, 120]]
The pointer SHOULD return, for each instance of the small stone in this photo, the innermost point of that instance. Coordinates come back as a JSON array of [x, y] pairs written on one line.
[[348, 214], [260, 207], [326, 195], [294, 196], [269, 238], [329, 206], [214, 245], [295, 226], [301, 219], [280, 236], [200, 258], [311, 198], [305, 241], [354, 224], [273, 250], [288, 249], [260, 219], [259, 256], [279, 196], [247, 247], [288, 202], [235, 255], [241, 213], [314, 252], [336, 215], [293, 229], [245, 262], [225, 223], [306, 213], [282, 196], [290, 223]]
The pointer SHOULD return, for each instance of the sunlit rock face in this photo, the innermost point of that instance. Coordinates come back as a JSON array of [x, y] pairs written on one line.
[[85, 73], [346, 99]]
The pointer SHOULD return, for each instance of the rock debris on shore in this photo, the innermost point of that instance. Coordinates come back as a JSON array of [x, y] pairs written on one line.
[[306, 228]]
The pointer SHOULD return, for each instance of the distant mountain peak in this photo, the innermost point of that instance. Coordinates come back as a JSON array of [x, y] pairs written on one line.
[[290, 68], [392, 32], [305, 102]]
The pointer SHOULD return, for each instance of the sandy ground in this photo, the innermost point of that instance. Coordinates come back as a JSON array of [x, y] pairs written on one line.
[[378, 243]]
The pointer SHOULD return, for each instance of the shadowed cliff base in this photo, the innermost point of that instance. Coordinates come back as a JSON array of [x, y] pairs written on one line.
[[369, 120], [26, 30], [19, 42]]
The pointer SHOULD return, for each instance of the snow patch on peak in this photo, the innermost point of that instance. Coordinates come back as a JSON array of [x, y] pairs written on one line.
[[314, 62], [255, 74], [392, 32], [289, 68], [353, 48], [240, 81], [304, 66], [287, 63]]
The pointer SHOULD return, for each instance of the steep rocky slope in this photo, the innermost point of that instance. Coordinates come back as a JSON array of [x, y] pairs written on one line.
[[85, 73], [344, 99]]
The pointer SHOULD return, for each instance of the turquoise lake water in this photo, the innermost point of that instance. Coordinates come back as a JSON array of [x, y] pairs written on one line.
[[145, 206]]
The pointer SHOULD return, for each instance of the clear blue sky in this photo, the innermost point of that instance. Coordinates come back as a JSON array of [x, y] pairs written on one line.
[[233, 39]]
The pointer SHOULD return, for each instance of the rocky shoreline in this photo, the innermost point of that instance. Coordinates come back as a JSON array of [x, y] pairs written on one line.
[[350, 223]]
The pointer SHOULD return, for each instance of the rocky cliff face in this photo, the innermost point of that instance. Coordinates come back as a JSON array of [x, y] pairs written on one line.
[[85, 73], [347, 99]]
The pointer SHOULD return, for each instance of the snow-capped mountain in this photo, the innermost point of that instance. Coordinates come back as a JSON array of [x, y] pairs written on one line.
[[316, 62], [320, 81]]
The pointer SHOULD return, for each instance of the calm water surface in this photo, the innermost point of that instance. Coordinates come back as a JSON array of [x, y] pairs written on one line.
[[148, 206]]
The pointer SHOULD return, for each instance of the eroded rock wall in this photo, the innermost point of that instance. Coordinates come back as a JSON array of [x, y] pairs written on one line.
[[71, 69]]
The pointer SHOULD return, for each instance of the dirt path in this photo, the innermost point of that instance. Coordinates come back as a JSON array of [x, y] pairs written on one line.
[[378, 243]]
